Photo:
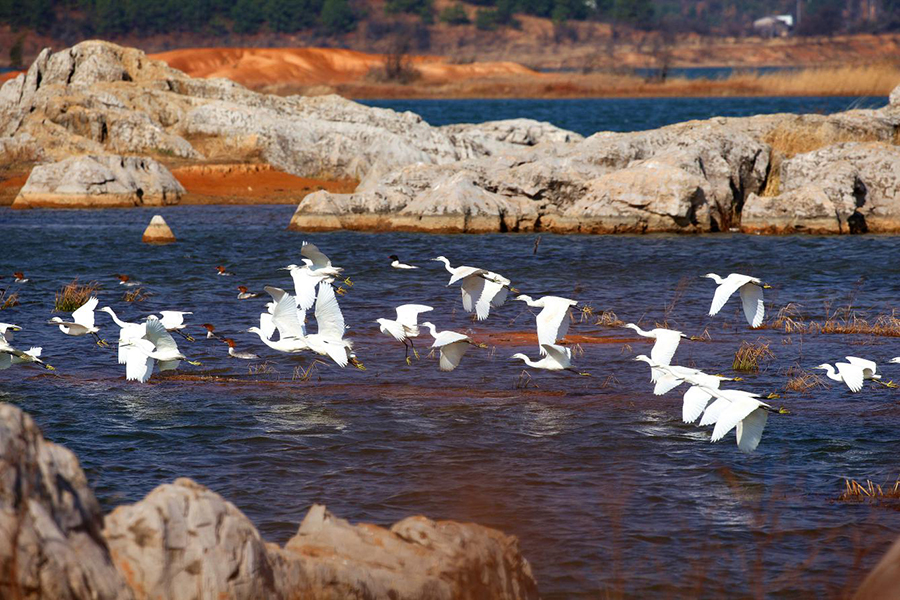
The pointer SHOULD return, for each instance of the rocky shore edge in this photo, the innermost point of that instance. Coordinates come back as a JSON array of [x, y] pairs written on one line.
[[185, 541], [100, 125]]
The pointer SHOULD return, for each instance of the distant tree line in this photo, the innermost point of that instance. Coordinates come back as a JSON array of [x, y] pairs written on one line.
[[71, 18]]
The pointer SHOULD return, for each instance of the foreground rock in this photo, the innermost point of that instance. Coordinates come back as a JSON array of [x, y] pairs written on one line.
[[51, 545], [99, 182], [184, 541], [883, 581]]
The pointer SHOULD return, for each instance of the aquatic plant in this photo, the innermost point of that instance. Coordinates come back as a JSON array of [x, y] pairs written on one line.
[[8, 301], [802, 381], [608, 318], [136, 295], [750, 355], [73, 295], [857, 492]]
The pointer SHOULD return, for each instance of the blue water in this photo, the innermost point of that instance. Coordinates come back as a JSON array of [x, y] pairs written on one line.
[[590, 115], [607, 490]]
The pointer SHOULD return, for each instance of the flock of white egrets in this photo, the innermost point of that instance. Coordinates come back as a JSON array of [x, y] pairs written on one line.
[[282, 327]]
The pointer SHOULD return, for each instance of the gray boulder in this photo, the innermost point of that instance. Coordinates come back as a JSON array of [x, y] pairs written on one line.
[[99, 182], [51, 543]]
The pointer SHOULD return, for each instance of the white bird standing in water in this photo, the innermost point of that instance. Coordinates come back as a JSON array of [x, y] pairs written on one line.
[[481, 289], [557, 358], [395, 262], [405, 326], [82, 322], [751, 290], [854, 372], [666, 344], [127, 333], [452, 346], [553, 321]]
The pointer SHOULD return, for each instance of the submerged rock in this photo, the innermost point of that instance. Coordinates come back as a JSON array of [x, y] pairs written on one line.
[[51, 542], [99, 182], [158, 232], [184, 541]]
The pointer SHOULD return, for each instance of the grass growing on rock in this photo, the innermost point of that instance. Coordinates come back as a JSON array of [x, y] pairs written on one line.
[[73, 295], [749, 356]]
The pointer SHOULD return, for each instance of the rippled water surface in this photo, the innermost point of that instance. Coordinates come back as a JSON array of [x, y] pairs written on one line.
[[606, 488], [590, 115]]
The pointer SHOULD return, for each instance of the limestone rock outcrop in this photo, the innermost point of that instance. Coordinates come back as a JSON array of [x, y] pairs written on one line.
[[844, 188], [883, 581], [184, 541], [158, 232], [51, 542], [104, 181]]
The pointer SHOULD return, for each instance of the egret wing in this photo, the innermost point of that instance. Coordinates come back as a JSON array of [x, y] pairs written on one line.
[[665, 383], [666, 344], [728, 286], [408, 314], [560, 354], [328, 313], [864, 363], [695, 400], [284, 315], [451, 354], [472, 289], [267, 325], [162, 339], [714, 410], [752, 299], [749, 431], [552, 324], [173, 319], [464, 272], [138, 364], [311, 252], [85, 314], [168, 365], [445, 338], [337, 353], [304, 286], [738, 410], [852, 375]]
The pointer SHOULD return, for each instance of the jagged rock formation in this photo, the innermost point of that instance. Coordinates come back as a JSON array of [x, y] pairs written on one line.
[[184, 541], [51, 543], [105, 181]]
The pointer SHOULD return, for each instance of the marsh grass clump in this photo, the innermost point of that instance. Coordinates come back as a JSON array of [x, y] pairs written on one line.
[[855, 491], [73, 295], [802, 381], [8, 301], [788, 319], [608, 318], [136, 295], [261, 369], [749, 356]]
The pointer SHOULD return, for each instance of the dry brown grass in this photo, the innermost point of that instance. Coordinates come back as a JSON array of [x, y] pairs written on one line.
[[608, 318], [789, 320], [802, 381], [858, 492], [8, 301], [73, 295], [138, 294], [749, 356]]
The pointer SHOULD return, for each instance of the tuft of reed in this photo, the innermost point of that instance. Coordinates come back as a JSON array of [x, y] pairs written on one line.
[[749, 356], [73, 295], [851, 323], [855, 491], [263, 368], [136, 295], [8, 301], [608, 318], [802, 381]]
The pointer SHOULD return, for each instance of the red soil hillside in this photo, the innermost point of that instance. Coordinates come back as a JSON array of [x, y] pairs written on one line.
[[260, 67]]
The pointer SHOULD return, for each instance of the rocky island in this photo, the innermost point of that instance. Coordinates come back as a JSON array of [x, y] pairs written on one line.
[[100, 125]]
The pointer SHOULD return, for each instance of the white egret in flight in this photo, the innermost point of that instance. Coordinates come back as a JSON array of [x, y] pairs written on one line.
[[452, 346], [751, 290], [82, 322], [854, 372], [481, 289], [173, 321], [405, 326], [666, 344], [395, 262], [7, 331], [10, 356], [162, 347], [329, 337], [286, 319], [127, 332], [553, 321], [557, 358]]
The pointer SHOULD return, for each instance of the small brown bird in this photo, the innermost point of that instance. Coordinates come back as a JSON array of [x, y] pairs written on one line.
[[20, 277], [245, 295], [211, 331], [243, 355], [223, 272], [126, 281]]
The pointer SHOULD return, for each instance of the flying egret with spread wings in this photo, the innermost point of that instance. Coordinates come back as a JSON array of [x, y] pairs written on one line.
[[854, 372], [481, 289], [553, 321], [751, 290], [556, 358], [405, 326], [452, 346], [127, 333], [82, 322]]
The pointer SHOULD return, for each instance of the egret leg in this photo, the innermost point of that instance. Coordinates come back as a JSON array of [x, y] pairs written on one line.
[[356, 363], [887, 384], [577, 372], [100, 342], [196, 363], [340, 291], [408, 361], [413, 346], [184, 335], [348, 282]]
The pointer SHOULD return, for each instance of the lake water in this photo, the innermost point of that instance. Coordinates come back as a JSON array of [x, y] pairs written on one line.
[[590, 115], [607, 490]]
